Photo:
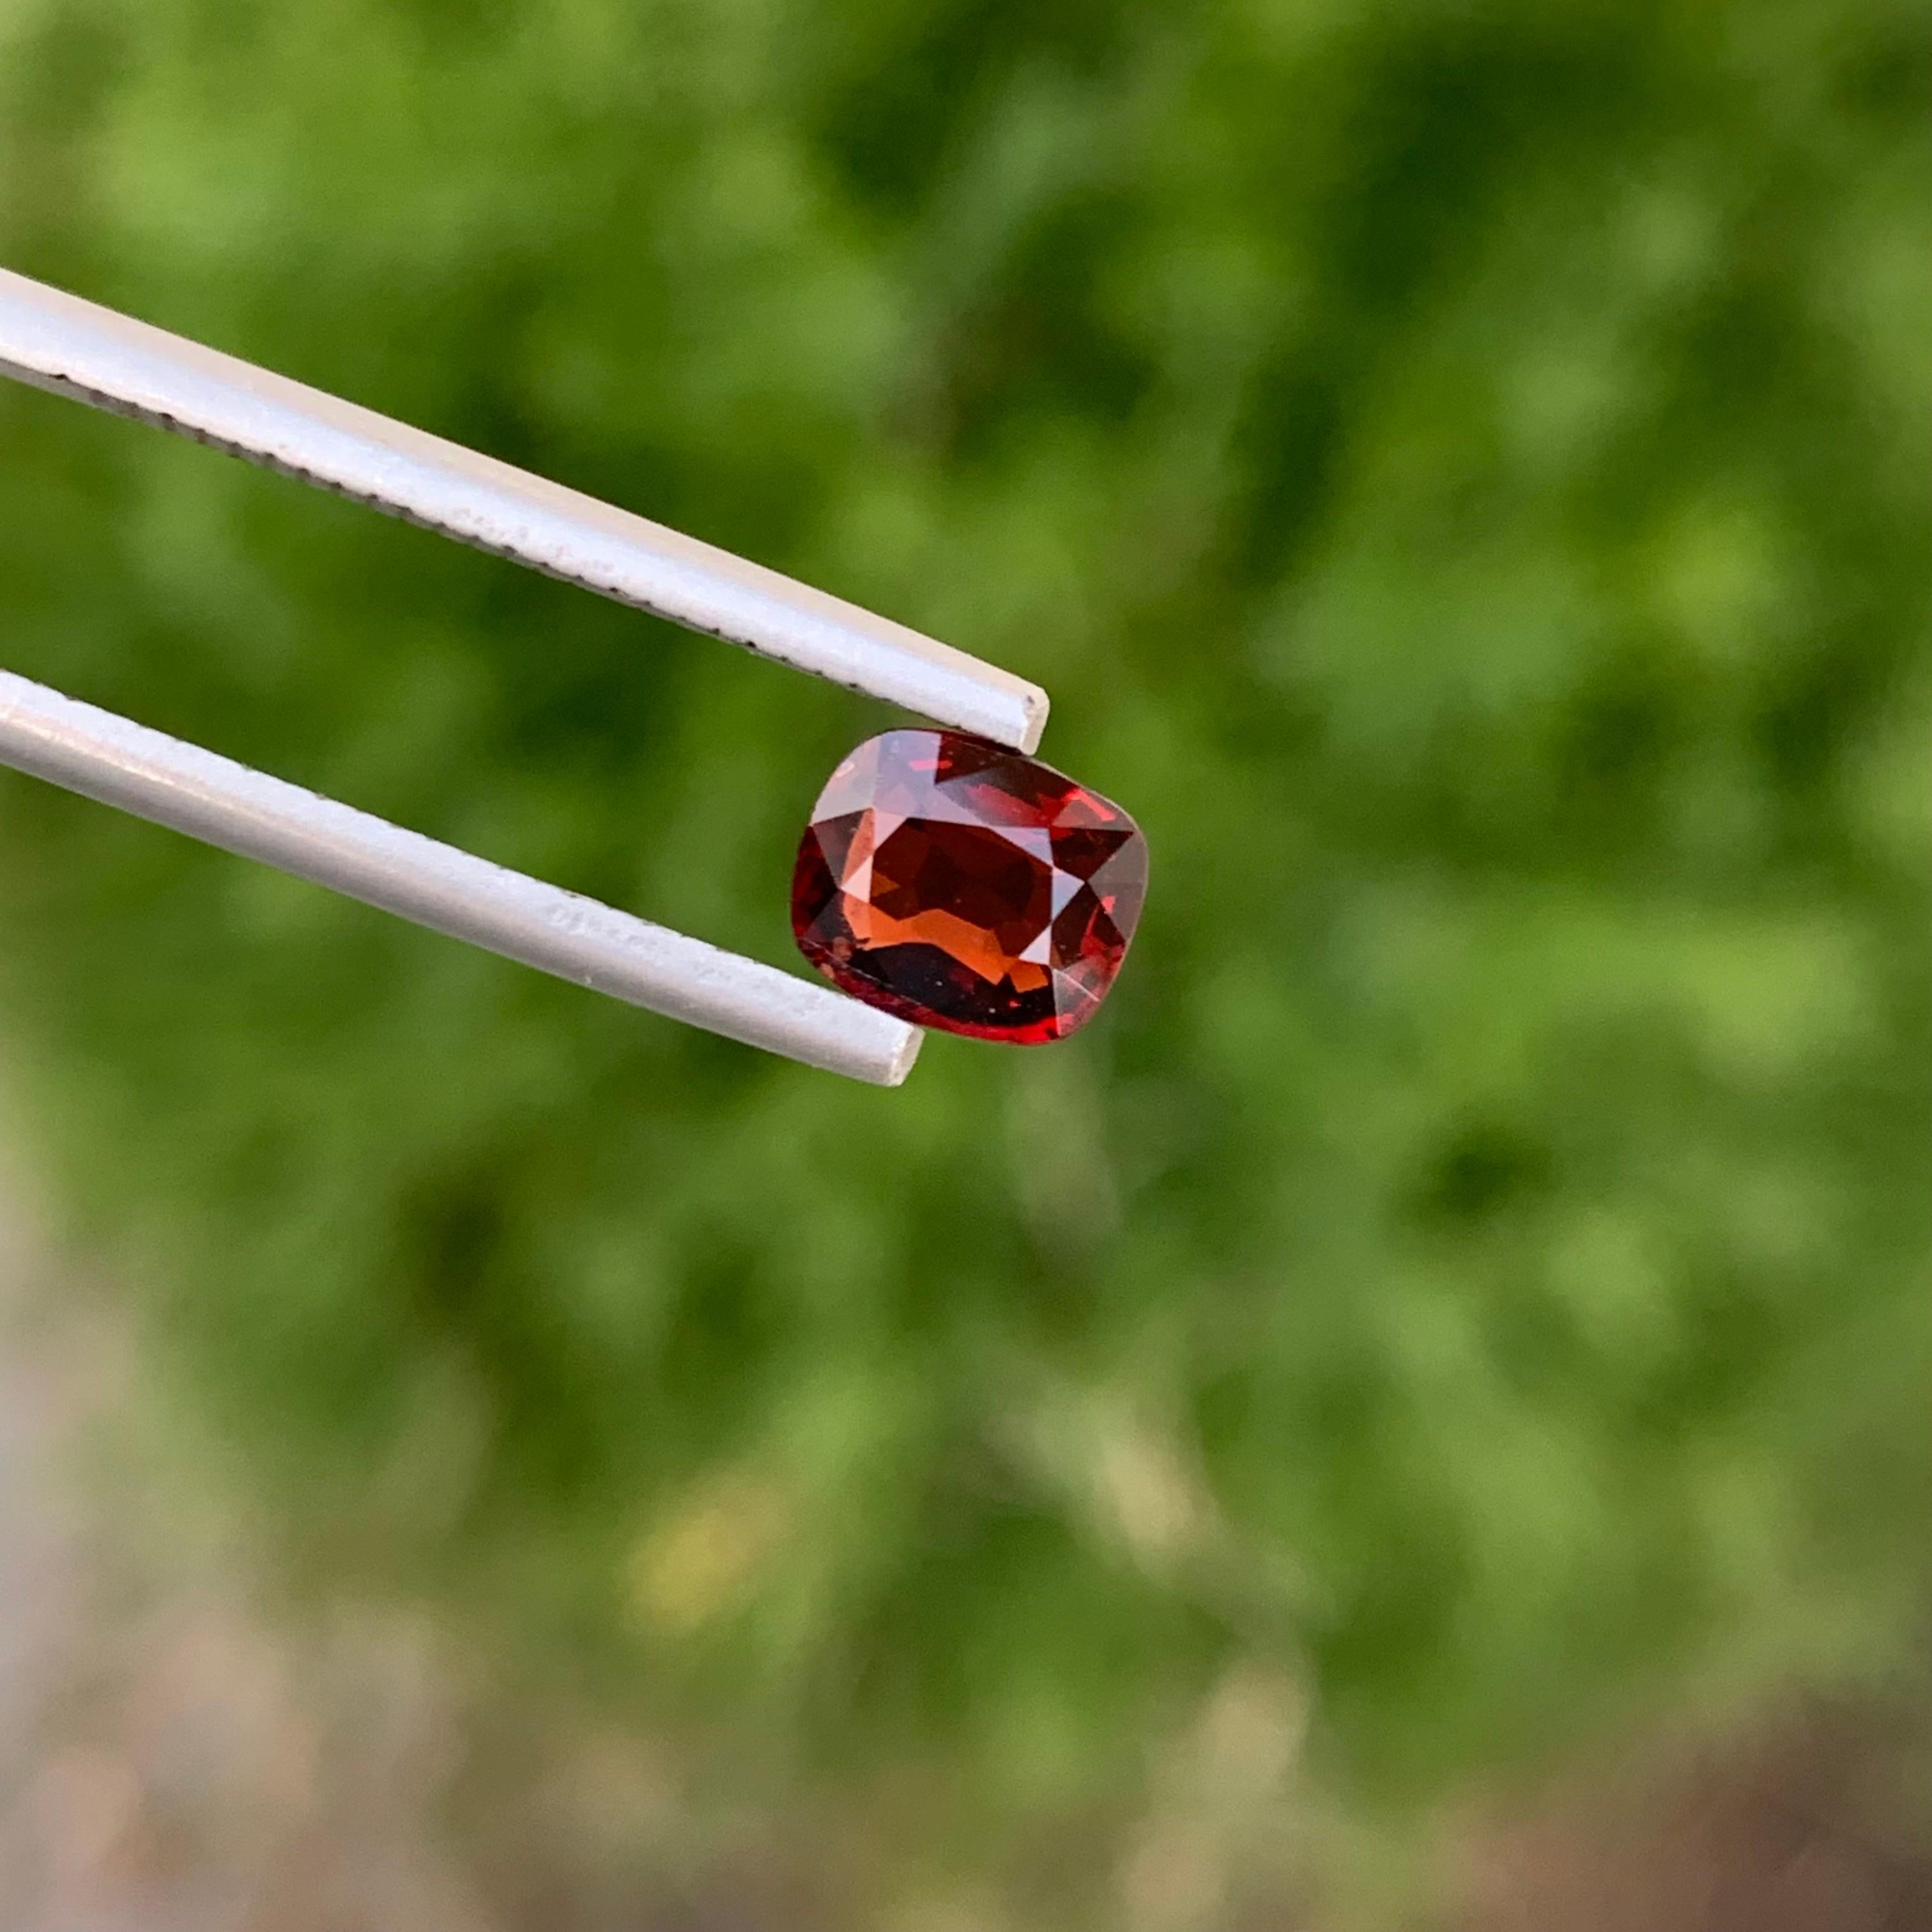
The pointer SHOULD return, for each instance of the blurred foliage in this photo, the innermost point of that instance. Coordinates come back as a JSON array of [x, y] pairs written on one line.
[[1460, 469]]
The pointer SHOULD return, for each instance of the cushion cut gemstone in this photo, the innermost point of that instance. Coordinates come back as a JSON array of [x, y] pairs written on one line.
[[961, 886]]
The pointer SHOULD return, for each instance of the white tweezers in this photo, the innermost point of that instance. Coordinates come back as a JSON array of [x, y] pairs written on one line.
[[58, 342]]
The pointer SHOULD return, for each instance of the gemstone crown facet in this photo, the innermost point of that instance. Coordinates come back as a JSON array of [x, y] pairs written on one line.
[[964, 887]]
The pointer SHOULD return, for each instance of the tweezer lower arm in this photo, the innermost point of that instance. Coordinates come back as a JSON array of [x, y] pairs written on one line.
[[58, 343]]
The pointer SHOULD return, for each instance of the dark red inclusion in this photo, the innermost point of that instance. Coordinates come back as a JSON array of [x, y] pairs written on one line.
[[963, 887]]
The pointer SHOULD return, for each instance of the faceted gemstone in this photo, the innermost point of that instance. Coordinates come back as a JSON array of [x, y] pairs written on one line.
[[963, 887]]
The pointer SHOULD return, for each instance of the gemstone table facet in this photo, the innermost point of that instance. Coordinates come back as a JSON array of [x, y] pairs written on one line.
[[962, 886]]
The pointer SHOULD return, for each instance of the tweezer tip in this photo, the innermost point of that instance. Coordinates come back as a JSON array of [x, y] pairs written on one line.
[[900, 1063], [1034, 706]]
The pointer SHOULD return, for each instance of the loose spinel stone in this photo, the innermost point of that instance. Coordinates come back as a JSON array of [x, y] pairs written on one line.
[[961, 886]]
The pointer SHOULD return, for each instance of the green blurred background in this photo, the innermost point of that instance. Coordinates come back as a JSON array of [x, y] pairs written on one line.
[[1461, 470]]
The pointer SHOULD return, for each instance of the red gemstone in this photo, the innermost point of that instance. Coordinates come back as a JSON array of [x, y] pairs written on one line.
[[962, 886]]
